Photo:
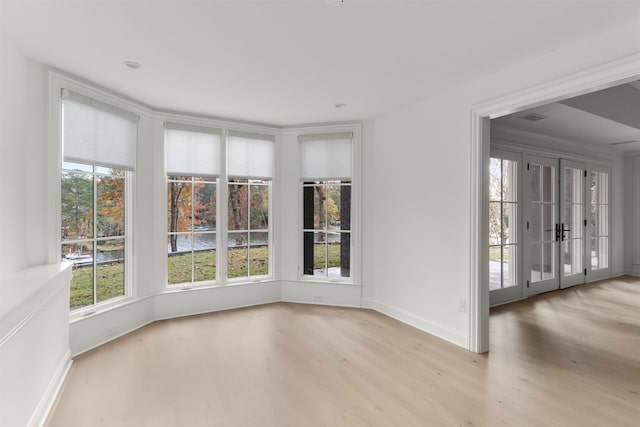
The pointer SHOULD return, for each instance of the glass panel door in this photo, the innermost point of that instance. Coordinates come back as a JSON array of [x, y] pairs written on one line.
[[599, 224], [504, 227], [572, 223], [542, 225]]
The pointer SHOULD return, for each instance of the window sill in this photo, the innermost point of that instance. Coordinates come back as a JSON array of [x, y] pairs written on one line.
[[327, 281], [103, 307], [239, 282]]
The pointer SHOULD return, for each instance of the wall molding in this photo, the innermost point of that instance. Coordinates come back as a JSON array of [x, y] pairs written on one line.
[[48, 282], [51, 393]]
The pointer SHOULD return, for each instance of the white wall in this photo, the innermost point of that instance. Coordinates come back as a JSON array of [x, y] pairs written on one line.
[[421, 161], [23, 110], [34, 299]]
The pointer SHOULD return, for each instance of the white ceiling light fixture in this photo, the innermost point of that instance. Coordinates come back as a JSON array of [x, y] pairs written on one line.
[[335, 2], [133, 65]]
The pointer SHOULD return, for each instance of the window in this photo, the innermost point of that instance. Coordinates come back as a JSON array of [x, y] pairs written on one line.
[[98, 159], [250, 168], [193, 167], [194, 177], [326, 211], [503, 223], [327, 228], [599, 219]]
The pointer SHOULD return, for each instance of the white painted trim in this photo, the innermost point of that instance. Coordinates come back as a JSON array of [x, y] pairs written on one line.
[[114, 337], [422, 324], [611, 74], [215, 310], [368, 304], [479, 235], [48, 282], [633, 271], [49, 396], [324, 293], [601, 77], [636, 212]]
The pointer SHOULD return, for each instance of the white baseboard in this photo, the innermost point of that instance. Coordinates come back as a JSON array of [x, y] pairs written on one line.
[[365, 303], [423, 325], [51, 393], [633, 271]]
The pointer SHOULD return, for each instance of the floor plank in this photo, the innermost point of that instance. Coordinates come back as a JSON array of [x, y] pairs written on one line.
[[566, 358]]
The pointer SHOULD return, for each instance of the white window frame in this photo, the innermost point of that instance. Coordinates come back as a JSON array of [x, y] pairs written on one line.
[[222, 194], [193, 283], [54, 157], [249, 278], [356, 248]]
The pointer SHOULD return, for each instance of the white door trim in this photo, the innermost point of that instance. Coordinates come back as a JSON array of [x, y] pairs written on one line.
[[601, 77]]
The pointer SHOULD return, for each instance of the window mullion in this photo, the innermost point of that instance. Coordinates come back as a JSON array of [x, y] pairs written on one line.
[[192, 235], [95, 236], [325, 194], [248, 228]]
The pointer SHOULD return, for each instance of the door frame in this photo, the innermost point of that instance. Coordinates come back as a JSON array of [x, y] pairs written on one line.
[[601, 77]]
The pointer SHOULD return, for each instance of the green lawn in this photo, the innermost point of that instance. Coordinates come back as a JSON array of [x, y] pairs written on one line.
[[333, 255], [110, 277]]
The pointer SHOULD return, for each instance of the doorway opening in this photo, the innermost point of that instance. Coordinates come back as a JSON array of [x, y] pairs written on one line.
[[604, 77]]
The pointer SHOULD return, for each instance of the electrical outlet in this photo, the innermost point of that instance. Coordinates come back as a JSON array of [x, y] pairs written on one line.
[[462, 305], [317, 298]]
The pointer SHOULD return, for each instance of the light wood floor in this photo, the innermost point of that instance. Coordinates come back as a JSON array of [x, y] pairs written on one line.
[[570, 358]]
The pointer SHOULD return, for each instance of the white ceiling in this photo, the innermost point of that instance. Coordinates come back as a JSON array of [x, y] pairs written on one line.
[[600, 118], [289, 62]]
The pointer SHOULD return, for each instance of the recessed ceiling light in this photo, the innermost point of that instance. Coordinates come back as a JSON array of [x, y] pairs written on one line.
[[133, 65], [340, 105]]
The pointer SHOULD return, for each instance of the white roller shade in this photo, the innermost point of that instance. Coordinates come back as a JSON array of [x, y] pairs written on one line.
[[249, 155], [97, 133], [192, 151], [326, 156]]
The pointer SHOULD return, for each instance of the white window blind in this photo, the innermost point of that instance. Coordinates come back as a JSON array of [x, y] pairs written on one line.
[[192, 151], [326, 156], [98, 133], [249, 155]]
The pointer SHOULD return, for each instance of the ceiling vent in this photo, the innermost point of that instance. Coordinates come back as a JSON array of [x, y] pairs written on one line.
[[533, 117], [633, 141]]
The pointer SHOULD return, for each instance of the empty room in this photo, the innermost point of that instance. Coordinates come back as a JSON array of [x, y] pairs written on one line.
[[246, 213]]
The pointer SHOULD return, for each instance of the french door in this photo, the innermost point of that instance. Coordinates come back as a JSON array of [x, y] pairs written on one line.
[[560, 249]]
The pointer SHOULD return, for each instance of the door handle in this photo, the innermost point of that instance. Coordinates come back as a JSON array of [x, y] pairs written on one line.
[[564, 229], [557, 232]]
